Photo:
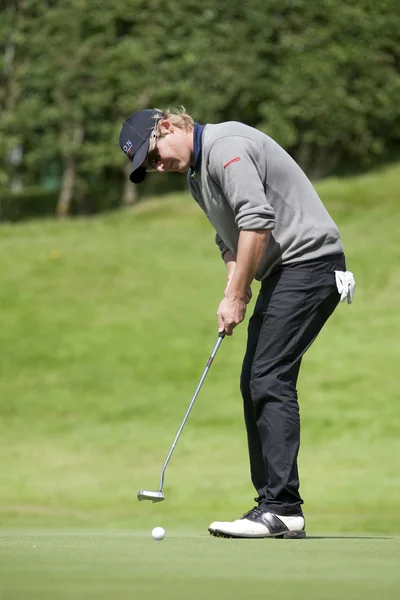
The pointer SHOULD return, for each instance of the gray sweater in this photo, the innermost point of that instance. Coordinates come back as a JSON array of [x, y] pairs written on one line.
[[247, 181]]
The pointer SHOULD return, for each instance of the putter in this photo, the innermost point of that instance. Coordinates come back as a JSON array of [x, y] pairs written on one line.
[[159, 496]]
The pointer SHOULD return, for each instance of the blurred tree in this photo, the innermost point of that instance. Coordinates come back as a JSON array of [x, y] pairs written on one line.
[[55, 89], [10, 41], [335, 80], [322, 78], [121, 82]]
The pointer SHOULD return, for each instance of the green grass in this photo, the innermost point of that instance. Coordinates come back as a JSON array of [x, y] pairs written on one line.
[[106, 326], [195, 566]]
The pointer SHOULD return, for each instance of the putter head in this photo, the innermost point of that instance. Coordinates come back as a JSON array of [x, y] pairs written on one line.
[[153, 496]]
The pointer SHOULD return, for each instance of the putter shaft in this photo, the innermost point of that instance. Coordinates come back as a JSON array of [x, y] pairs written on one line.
[[159, 496], [207, 368]]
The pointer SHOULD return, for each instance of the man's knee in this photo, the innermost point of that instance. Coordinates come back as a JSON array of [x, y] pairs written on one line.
[[272, 390], [264, 388]]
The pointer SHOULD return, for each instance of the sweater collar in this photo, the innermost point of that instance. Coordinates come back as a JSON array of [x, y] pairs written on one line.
[[197, 146]]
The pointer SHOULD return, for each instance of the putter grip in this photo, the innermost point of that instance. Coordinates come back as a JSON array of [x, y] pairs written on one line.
[[222, 334]]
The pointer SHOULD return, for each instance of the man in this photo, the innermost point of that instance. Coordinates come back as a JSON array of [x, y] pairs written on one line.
[[271, 226]]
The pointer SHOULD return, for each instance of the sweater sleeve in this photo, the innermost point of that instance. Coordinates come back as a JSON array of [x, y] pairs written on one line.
[[221, 245], [233, 167]]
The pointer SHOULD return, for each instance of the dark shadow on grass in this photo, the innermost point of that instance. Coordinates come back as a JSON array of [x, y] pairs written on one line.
[[318, 537], [347, 537]]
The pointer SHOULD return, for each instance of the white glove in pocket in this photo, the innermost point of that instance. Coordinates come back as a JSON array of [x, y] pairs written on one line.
[[345, 285]]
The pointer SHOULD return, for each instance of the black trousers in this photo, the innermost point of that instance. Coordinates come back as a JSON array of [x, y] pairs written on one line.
[[290, 311]]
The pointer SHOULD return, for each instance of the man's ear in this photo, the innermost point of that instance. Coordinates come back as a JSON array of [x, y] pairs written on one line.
[[166, 126]]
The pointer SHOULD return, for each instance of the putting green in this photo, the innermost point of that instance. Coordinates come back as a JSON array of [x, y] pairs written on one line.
[[196, 566]]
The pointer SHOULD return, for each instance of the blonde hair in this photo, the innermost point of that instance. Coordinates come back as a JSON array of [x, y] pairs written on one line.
[[178, 117]]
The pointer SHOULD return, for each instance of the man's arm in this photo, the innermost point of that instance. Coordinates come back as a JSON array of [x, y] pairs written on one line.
[[230, 263], [241, 271]]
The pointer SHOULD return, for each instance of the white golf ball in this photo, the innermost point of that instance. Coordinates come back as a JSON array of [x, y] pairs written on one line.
[[158, 533]]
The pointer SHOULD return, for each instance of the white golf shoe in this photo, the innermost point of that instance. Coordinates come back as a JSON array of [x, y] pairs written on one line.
[[258, 523]]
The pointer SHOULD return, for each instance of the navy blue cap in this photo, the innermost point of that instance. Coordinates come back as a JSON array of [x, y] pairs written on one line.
[[134, 140]]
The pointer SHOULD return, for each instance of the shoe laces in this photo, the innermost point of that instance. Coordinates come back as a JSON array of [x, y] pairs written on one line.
[[254, 512]]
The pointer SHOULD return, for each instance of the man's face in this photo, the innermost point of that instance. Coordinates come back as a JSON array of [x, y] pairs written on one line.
[[173, 152]]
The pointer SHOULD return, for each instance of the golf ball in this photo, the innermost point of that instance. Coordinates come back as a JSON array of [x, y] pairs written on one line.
[[158, 533]]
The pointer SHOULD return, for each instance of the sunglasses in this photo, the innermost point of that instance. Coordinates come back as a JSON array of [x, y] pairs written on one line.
[[153, 156]]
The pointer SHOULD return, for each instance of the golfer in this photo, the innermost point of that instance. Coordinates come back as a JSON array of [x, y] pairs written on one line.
[[270, 226]]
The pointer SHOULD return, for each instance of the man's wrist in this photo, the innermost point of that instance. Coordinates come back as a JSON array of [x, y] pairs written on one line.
[[235, 294]]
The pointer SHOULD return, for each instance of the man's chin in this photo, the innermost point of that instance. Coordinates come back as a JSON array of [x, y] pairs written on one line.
[[179, 166]]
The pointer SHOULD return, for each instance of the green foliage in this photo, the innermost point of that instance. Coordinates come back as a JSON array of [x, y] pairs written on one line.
[[36, 201], [30, 202], [335, 82], [322, 78]]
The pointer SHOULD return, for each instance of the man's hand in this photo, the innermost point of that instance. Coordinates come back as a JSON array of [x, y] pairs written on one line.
[[231, 312]]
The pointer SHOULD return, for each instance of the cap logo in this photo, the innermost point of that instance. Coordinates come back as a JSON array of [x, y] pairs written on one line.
[[127, 146], [233, 160]]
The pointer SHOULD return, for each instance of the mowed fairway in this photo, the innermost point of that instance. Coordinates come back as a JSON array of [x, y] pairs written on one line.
[[131, 566], [106, 326]]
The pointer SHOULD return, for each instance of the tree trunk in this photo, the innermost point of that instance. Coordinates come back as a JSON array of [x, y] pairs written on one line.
[[69, 174], [326, 161], [315, 161], [303, 156], [129, 195], [67, 188]]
